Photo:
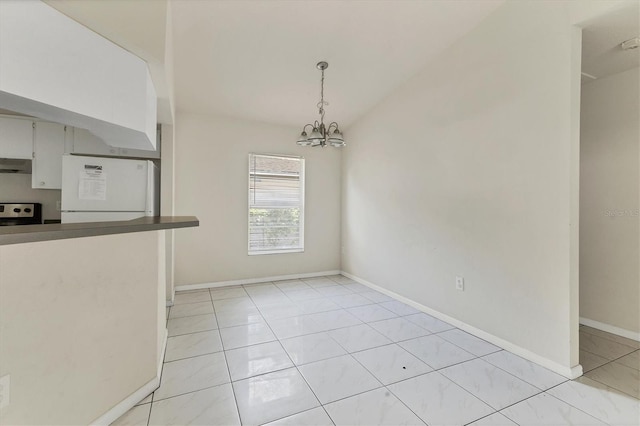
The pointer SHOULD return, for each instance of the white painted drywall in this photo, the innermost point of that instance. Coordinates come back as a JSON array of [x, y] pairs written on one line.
[[161, 306], [167, 172], [211, 182], [79, 325], [17, 187], [609, 201], [167, 192], [467, 170], [54, 68]]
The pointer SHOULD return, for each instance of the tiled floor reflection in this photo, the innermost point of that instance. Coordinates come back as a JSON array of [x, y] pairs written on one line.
[[330, 351]]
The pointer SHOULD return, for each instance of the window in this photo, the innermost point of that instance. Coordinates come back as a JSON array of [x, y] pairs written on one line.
[[276, 204]]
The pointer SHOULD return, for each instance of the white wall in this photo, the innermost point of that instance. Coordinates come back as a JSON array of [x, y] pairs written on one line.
[[468, 170], [168, 155], [211, 182], [17, 187], [609, 201], [167, 185], [78, 334]]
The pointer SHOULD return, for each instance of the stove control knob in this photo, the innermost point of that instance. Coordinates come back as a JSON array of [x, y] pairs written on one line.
[[16, 210], [27, 210]]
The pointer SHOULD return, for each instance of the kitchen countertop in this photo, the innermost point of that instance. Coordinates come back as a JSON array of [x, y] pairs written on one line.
[[58, 231]]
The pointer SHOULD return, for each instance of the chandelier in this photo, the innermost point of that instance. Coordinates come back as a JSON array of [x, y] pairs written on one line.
[[320, 134]]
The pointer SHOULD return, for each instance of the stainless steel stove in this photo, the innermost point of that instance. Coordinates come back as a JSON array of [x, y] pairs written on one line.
[[20, 214]]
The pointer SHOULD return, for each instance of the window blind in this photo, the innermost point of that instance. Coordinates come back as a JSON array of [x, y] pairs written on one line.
[[276, 204]]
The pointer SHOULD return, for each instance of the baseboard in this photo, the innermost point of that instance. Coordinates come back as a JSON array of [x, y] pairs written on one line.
[[130, 401], [187, 287], [570, 373], [127, 403], [170, 302], [610, 329], [573, 374]]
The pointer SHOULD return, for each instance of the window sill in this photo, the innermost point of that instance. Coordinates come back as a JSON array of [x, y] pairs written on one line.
[[258, 253]]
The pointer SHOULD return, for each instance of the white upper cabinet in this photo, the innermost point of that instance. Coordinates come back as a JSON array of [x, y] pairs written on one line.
[[48, 148], [16, 138], [53, 68]]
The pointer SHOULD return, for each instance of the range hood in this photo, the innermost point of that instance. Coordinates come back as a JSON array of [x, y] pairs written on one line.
[[13, 165]]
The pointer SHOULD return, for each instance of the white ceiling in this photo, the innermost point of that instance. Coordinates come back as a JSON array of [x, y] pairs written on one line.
[[137, 25], [256, 59], [601, 38]]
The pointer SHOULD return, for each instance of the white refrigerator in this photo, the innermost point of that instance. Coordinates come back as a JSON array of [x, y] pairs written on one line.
[[97, 189]]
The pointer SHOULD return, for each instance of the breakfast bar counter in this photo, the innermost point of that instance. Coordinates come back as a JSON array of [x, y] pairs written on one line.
[[59, 231], [83, 312]]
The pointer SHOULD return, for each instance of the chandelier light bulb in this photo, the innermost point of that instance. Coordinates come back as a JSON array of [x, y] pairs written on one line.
[[303, 140]]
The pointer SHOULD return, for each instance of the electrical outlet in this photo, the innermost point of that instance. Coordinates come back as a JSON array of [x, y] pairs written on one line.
[[460, 283], [5, 391]]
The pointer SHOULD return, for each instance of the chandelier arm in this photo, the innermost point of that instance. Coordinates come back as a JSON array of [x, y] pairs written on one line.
[[304, 129]]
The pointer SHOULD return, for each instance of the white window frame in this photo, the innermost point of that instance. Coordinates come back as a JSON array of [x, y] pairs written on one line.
[[302, 202]]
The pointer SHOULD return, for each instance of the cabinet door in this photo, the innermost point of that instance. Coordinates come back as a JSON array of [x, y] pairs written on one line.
[[48, 148], [16, 138]]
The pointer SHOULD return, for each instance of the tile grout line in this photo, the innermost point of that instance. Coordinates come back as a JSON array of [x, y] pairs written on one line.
[[391, 343], [324, 359], [488, 415], [385, 386], [165, 362], [445, 377], [609, 361], [481, 358], [305, 379], [613, 387], [473, 395], [297, 369], [226, 363], [196, 332], [566, 402], [193, 391], [435, 370], [610, 339], [153, 394], [161, 369], [396, 343], [278, 339], [382, 386], [326, 297]]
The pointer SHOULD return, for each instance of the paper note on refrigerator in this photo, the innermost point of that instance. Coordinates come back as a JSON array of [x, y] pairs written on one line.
[[92, 183]]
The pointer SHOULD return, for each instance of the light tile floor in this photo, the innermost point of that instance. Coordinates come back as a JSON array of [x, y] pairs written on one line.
[[325, 351]]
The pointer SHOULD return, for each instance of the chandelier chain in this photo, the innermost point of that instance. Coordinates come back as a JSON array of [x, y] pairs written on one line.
[[321, 103]]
